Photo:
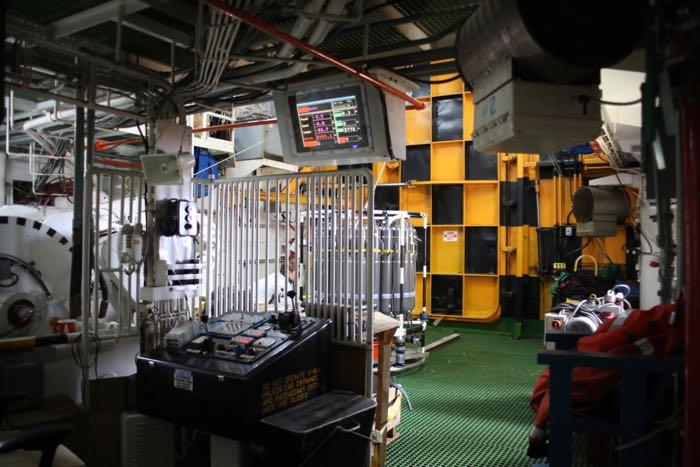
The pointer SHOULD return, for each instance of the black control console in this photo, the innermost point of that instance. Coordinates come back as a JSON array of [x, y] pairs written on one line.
[[239, 369]]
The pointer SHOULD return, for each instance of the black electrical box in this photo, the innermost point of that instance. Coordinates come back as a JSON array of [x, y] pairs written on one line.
[[242, 371], [177, 217]]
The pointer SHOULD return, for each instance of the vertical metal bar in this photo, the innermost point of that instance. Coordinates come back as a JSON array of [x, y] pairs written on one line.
[[217, 250], [312, 258], [244, 253], [307, 257], [327, 238], [361, 253], [370, 282], [354, 308], [333, 254], [110, 193], [248, 244], [560, 447], [297, 238], [96, 250], [120, 286], [277, 242], [85, 283], [239, 244], [235, 221], [232, 252], [267, 242], [321, 258], [286, 240], [346, 258], [256, 292], [243, 239], [203, 261], [130, 278], [251, 245], [318, 184], [210, 202], [229, 302], [77, 271], [138, 269], [221, 235]]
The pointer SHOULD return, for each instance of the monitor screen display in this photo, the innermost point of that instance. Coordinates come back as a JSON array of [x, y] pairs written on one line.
[[331, 119]]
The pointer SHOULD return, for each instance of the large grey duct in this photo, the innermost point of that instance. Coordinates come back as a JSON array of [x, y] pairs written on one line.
[[557, 41], [590, 202]]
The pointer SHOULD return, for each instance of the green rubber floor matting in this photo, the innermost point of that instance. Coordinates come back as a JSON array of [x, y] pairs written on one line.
[[470, 403]]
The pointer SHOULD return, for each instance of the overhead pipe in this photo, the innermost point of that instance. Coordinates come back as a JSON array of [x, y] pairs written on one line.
[[102, 145], [299, 29], [317, 36], [76, 102], [230, 126], [273, 31]]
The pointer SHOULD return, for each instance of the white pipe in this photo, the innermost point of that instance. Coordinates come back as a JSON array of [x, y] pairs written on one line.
[[3, 170], [68, 114], [300, 28]]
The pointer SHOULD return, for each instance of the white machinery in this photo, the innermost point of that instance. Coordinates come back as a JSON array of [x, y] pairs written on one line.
[[535, 82], [584, 318]]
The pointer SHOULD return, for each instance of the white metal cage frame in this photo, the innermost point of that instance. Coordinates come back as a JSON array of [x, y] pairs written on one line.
[[310, 233]]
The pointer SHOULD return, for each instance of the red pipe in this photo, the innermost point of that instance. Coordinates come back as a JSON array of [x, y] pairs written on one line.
[[689, 107], [299, 44], [115, 163], [102, 145], [228, 126]]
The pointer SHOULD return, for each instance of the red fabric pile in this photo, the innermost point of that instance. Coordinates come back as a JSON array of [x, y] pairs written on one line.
[[644, 332]]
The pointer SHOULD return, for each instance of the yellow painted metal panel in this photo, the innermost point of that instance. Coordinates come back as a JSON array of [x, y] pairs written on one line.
[[613, 246], [416, 199], [481, 204], [447, 250], [514, 244], [442, 89], [468, 115], [447, 161], [533, 252], [480, 298], [387, 172], [419, 125]]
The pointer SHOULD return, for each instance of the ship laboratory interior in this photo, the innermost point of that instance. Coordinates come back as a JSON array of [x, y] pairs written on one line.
[[350, 233]]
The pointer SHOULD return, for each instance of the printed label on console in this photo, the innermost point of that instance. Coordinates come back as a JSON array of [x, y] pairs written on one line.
[[182, 379], [289, 390]]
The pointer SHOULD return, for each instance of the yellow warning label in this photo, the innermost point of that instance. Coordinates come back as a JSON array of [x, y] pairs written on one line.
[[289, 390]]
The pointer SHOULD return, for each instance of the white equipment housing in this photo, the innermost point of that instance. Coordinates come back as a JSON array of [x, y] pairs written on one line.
[[511, 115]]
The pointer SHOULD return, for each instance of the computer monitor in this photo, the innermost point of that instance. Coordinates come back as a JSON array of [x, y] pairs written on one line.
[[339, 121]]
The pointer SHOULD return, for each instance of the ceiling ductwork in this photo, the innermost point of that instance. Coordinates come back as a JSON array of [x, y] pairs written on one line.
[[549, 41]]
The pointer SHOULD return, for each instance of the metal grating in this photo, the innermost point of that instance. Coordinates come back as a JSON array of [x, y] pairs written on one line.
[[433, 26], [349, 42], [470, 404]]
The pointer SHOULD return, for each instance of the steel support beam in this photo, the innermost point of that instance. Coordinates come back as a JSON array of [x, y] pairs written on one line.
[[77, 102], [79, 158], [158, 30], [301, 45], [93, 16]]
